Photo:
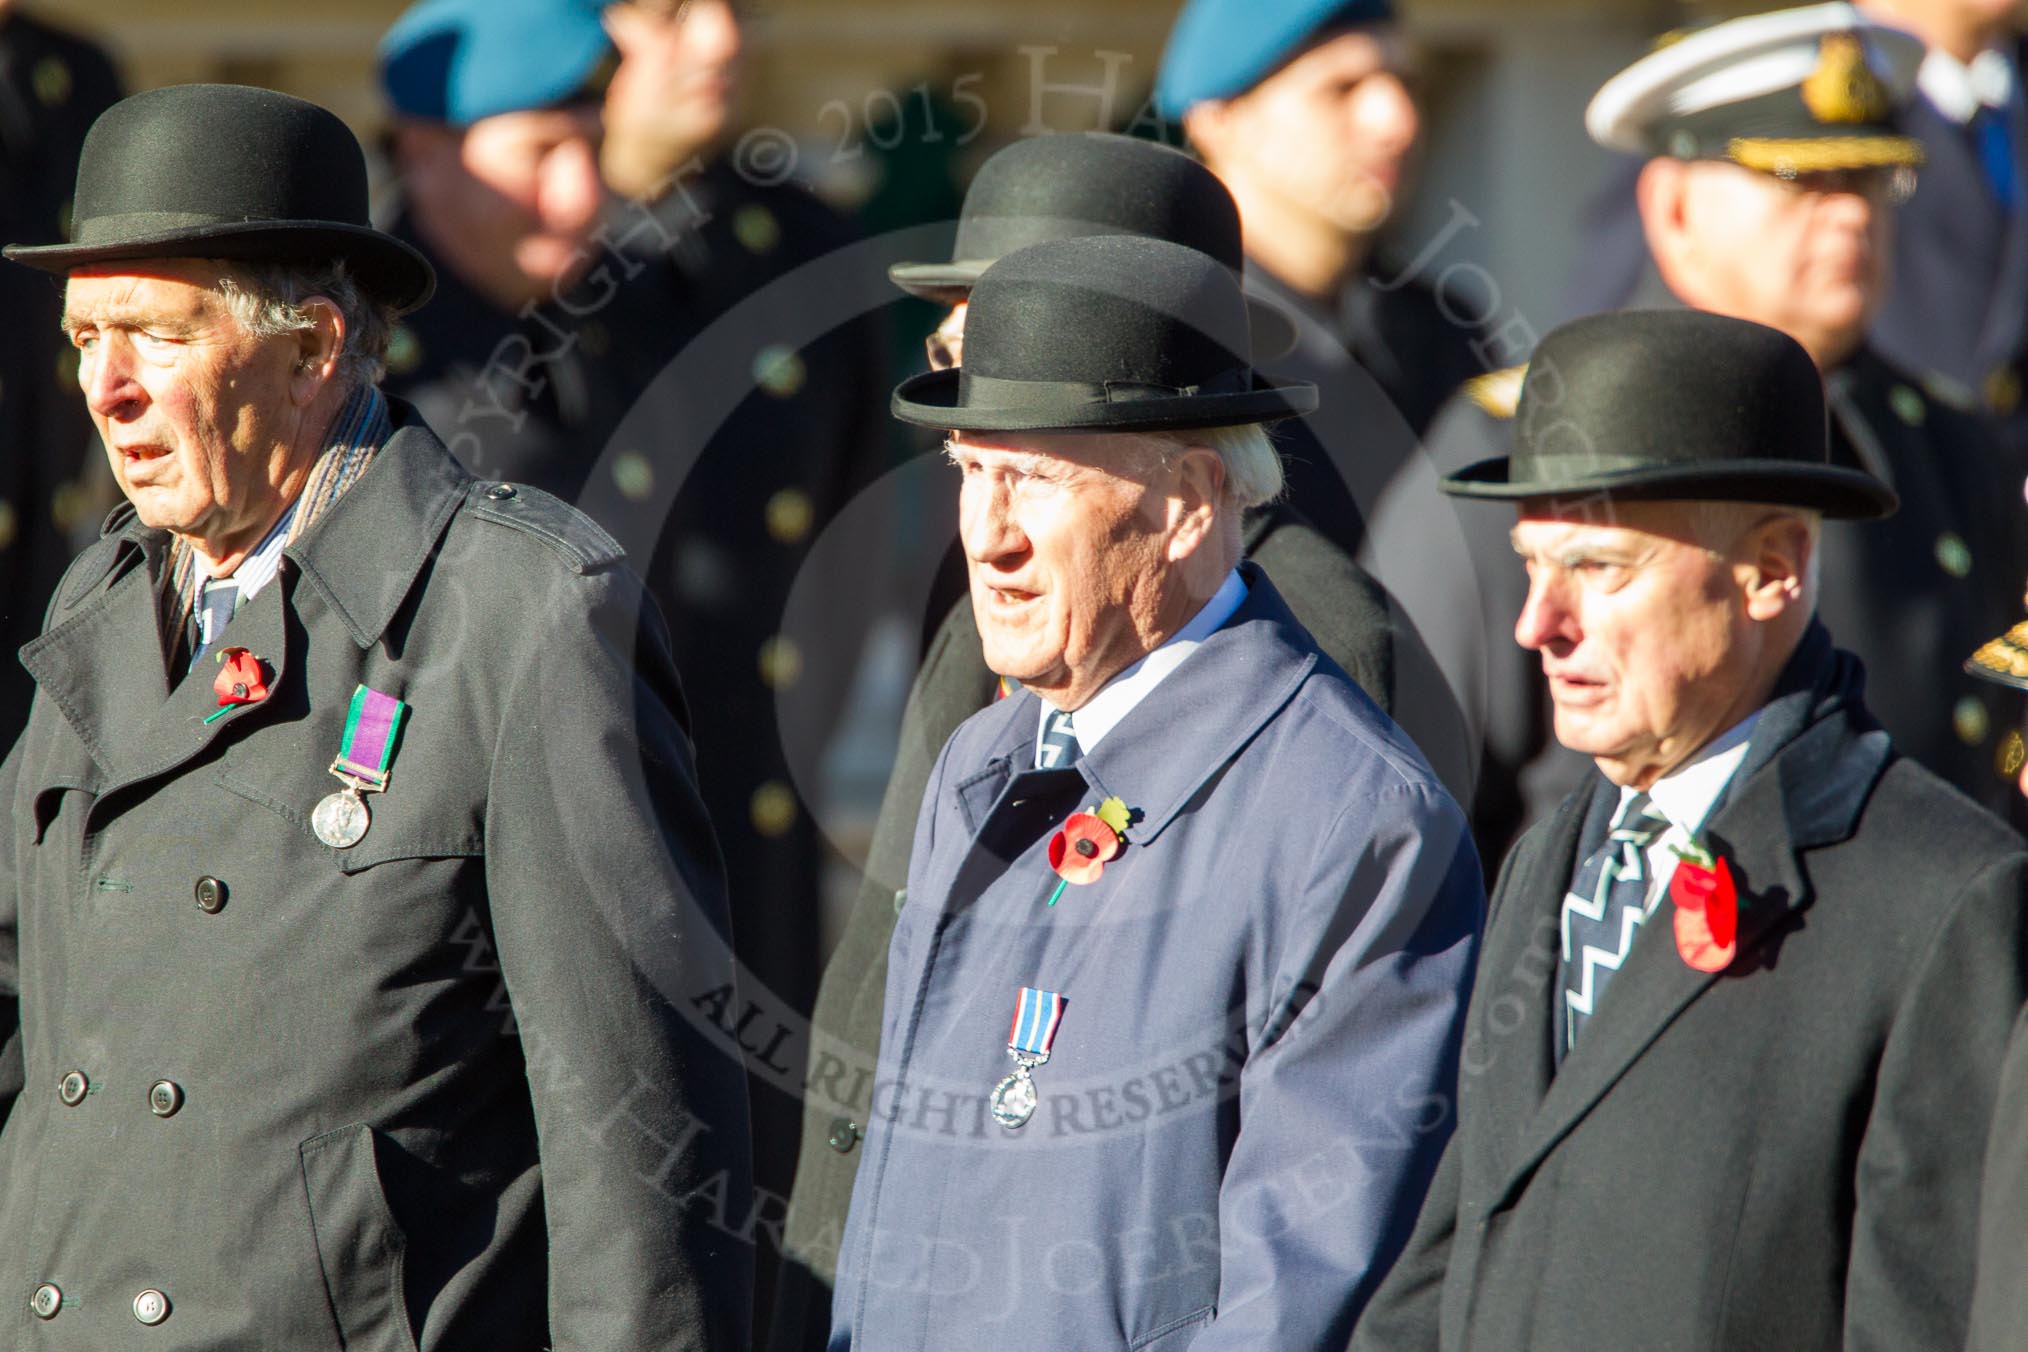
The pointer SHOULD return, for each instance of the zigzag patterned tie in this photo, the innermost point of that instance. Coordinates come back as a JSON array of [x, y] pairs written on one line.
[[1603, 912], [1058, 747]]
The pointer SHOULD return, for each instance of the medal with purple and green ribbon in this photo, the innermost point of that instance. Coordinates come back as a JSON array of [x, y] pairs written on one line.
[[340, 821], [1036, 1016]]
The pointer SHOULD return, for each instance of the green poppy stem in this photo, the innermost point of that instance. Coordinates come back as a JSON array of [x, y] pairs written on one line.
[[222, 712], [1060, 885]]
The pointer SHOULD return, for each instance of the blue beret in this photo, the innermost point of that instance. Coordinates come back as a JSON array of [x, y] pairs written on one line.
[[457, 61], [1220, 48]]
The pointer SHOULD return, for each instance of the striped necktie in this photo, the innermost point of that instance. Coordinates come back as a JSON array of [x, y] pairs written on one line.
[[1603, 912], [1058, 747], [218, 599]]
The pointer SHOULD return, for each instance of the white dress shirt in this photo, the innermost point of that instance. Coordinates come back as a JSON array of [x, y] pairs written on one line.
[[1105, 709]]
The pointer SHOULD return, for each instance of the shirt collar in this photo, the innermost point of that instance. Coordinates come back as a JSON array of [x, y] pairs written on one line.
[[1687, 794], [261, 564], [1117, 698], [1959, 89]]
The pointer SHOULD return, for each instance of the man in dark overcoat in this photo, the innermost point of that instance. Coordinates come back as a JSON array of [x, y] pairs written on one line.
[[320, 720], [1222, 903], [1800, 244], [1743, 1000], [1044, 188]]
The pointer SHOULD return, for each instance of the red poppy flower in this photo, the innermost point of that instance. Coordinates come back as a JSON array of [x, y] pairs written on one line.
[[1080, 850], [242, 678], [1707, 914]]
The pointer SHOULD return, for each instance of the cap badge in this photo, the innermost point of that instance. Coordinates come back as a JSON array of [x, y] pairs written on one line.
[[1843, 88]]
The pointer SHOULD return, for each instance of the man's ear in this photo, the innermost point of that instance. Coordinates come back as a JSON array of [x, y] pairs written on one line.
[[317, 350], [1660, 193], [1207, 128], [1193, 509], [1773, 565]]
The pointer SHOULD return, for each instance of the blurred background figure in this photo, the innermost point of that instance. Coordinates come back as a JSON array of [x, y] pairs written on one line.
[[1302, 108], [53, 85], [1957, 304], [495, 144], [1955, 311], [1776, 160], [656, 350]]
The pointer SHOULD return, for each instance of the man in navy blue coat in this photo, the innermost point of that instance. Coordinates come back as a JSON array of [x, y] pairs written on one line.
[[1173, 997]]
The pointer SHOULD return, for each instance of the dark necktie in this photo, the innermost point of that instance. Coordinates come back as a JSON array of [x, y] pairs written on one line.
[[216, 602], [1602, 913], [1058, 747]]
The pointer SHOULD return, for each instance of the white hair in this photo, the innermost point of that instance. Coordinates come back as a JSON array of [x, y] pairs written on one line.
[[1253, 468], [267, 300], [1718, 523]]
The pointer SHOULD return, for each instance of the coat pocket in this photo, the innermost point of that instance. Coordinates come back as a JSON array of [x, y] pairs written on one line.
[[359, 1245], [1176, 1334]]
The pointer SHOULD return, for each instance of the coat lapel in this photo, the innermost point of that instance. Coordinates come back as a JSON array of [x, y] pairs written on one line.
[[102, 663], [1519, 968], [104, 666], [1809, 795]]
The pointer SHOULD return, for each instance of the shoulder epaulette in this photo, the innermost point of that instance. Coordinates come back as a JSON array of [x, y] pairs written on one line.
[[580, 541]]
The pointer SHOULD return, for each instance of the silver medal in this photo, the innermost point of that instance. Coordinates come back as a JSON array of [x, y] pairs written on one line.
[[341, 819], [1014, 1098]]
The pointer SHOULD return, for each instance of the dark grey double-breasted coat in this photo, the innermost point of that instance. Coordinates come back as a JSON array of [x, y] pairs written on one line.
[[278, 1084], [1781, 1156]]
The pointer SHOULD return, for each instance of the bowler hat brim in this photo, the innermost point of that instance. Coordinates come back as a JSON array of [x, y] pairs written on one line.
[[1273, 331], [932, 400], [1846, 494], [391, 270]]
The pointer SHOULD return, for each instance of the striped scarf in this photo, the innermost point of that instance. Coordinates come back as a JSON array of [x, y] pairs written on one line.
[[361, 428]]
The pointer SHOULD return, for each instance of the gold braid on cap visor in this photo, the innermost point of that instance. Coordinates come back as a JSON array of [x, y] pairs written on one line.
[[1810, 154]]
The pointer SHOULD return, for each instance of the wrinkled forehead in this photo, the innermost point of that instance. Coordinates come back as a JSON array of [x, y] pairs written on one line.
[[1601, 517], [134, 291], [1120, 453]]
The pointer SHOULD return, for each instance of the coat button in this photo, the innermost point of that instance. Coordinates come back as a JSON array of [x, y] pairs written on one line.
[[844, 1134], [500, 492], [164, 1098], [151, 1307], [46, 1301], [210, 895], [72, 1090]]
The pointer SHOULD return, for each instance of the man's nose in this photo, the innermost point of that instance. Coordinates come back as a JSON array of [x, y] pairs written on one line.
[[986, 523], [569, 192], [107, 375], [1546, 616], [712, 30]]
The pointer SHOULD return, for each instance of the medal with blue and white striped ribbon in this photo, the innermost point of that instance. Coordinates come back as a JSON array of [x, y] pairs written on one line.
[[1036, 1016]]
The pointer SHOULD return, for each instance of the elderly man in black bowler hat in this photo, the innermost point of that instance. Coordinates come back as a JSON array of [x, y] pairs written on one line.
[[320, 719], [1741, 1010], [1776, 151], [1172, 999], [1036, 190]]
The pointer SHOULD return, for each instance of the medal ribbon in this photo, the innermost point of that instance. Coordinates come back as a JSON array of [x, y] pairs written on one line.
[[1036, 1016], [369, 736]]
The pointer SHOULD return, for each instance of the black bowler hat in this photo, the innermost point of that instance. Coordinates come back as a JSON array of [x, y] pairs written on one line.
[[1091, 183], [1674, 404], [224, 171], [1103, 333]]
